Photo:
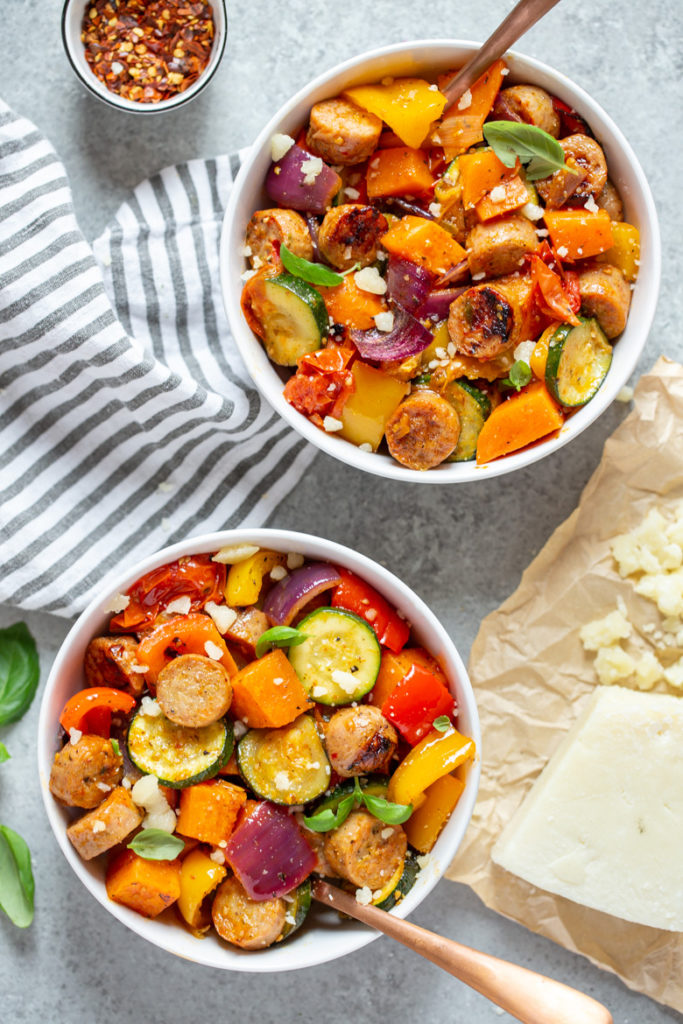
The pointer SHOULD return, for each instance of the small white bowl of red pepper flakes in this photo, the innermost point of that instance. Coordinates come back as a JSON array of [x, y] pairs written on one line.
[[145, 56]]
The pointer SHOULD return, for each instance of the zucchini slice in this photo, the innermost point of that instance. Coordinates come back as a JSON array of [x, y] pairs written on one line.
[[578, 361], [296, 909], [287, 765], [473, 407], [177, 755], [339, 661], [293, 317], [399, 887]]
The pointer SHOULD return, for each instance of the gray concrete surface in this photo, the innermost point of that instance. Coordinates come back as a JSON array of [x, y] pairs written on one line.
[[463, 550]]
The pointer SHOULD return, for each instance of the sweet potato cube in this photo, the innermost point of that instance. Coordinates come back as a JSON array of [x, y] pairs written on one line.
[[267, 693], [146, 886], [105, 826], [209, 810]]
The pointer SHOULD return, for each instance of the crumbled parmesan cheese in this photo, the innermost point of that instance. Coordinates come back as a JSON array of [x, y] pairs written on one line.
[[562, 251], [423, 860], [98, 826], [149, 707], [231, 554], [118, 603], [217, 856], [497, 194], [103, 786], [279, 145], [648, 671], [674, 674], [604, 632], [384, 321], [278, 572], [591, 205], [247, 275], [318, 691], [346, 680], [294, 560], [465, 100], [222, 616], [330, 424], [282, 781], [165, 487], [435, 209], [365, 446], [625, 394], [532, 212], [613, 664], [479, 277], [370, 280], [213, 651], [126, 782], [386, 833], [351, 192], [146, 794], [311, 169], [524, 351], [239, 729], [138, 669], [364, 895], [180, 606], [74, 736]]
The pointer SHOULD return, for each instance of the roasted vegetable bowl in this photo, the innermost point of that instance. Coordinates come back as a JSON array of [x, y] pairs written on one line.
[[241, 714], [440, 296]]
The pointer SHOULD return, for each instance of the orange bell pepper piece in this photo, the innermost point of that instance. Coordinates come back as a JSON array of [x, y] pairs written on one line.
[[426, 822], [398, 172]]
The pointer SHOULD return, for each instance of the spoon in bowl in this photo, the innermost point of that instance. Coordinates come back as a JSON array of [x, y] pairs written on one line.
[[530, 997], [521, 18]]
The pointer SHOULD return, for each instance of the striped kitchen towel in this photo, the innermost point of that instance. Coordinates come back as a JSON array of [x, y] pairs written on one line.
[[127, 421]]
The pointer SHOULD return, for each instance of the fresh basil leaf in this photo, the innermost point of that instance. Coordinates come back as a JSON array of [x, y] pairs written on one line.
[[327, 819], [19, 672], [314, 273], [442, 723], [115, 747], [16, 878], [540, 151], [279, 636], [155, 844], [4, 753], [391, 814], [520, 375]]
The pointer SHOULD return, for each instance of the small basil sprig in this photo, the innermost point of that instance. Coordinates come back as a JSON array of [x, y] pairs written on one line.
[[4, 753], [19, 672], [314, 273], [520, 375], [155, 844], [509, 140], [442, 723], [115, 747], [279, 636], [327, 819], [16, 878]]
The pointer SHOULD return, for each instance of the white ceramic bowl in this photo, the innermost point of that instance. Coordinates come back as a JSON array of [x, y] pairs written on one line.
[[72, 18], [429, 58], [324, 937]]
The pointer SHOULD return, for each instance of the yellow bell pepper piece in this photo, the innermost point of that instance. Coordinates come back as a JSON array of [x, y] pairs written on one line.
[[435, 756], [199, 876], [539, 356], [424, 825], [245, 578], [367, 411], [408, 105], [625, 251]]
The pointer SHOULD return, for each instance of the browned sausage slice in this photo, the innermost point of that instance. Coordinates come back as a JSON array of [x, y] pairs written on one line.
[[245, 631], [245, 922], [351, 234], [342, 133], [267, 227], [610, 200], [586, 153], [423, 431], [85, 772], [605, 294], [359, 740], [365, 851], [480, 323], [111, 661], [532, 105], [498, 247], [107, 825], [193, 690]]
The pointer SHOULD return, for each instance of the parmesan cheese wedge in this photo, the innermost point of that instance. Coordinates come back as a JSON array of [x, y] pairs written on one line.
[[603, 824]]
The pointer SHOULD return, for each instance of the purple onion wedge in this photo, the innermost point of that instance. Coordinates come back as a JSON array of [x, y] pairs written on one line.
[[286, 182], [269, 854], [407, 283], [406, 338], [290, 595], [438, 302]]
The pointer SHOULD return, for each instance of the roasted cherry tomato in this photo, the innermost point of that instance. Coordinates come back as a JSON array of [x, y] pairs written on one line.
[[194, 576]]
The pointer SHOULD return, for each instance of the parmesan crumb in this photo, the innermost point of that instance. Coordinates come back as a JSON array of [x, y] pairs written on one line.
[[351, 192], [231, 554], [364, 895], [591, 205], [294, 560], [311, 169], [222, 616], [150, 708], [625, 394], [562, 251], [278, 572], [98, 826], [370, 280], [384, 321], [465, 100], [217, 856], [279, 145], [213, 650], [74, 736], [365, 446], [330, 424], [180, 606], [118, 603]]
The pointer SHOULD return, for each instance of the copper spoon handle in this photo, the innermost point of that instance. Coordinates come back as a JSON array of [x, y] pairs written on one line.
[[528, 996], [521, 18]]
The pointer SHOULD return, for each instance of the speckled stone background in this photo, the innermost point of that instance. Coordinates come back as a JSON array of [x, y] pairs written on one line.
[[463, 550]]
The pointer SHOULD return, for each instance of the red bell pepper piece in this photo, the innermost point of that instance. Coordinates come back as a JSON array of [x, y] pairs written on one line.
[[415, 702], [357, 596], [554, 299], [90, 710]]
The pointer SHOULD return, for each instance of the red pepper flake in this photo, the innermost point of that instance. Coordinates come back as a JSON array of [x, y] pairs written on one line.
[[148, 51]]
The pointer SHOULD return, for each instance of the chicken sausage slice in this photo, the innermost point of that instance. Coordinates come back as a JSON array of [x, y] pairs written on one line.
[[365, 851], [532, 105], [610, 200], [286, 227], [586, 153], [84, 772], [112, 661], [245, 922], [605, 294], [193, 690], [423, 431], [498, 247], [351, 234], [359, 740], [481, 322], [106, 825], [342, 133]]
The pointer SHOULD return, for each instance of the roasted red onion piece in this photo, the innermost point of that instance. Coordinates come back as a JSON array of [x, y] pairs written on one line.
[[406, 338], [289, 596], [438, 302], [394, 204], [269, 854], [456, 275], [407, 283], [286, 182]]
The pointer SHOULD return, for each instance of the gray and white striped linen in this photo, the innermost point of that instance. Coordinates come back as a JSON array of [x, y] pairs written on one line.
[[120, 432]]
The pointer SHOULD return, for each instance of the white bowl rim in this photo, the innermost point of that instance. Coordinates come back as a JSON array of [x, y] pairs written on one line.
[[384, 465], [164, 935], [112, 99]]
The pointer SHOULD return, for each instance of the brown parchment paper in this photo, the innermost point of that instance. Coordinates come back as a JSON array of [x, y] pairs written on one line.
[[531, 676]]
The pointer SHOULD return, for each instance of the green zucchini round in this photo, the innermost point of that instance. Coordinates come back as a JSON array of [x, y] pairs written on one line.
[[293, 317], [473, 407], [297, 909], [405, 883], [287, 765], [177, 755], [337, 642], [578, 361]]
